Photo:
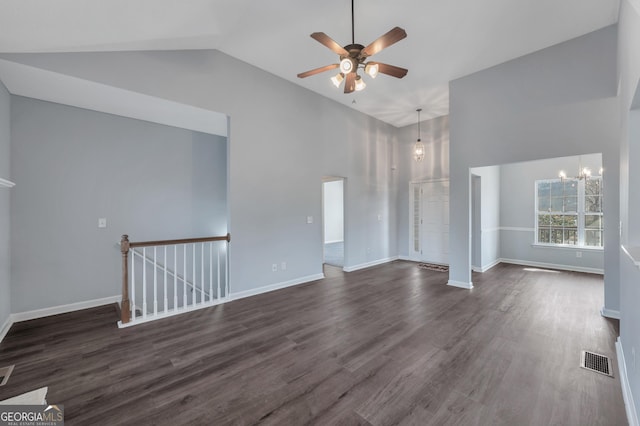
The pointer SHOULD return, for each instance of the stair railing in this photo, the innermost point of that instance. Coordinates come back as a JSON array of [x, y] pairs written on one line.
[[169, 277]]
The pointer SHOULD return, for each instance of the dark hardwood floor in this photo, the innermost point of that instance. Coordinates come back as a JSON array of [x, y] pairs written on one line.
[[387, 345]]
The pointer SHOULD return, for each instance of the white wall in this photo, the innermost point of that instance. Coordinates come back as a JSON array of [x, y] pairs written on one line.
[[629, 76], [283, 139], [5, 230], [435, 136], [557, 102], [74, 166], [518, 213], [333, 211], [490, 214]]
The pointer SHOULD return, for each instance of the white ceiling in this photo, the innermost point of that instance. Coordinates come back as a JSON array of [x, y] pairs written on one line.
[[446, 39]]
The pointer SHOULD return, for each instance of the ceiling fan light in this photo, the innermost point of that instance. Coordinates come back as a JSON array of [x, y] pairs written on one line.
[[347, 65], [371, 69], [360, 84], [337, 79]]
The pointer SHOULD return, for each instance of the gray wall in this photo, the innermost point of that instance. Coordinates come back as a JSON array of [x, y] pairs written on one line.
[[629, 76], [5, 172], [283, 139], [435, 136], [518, 215], [557, 102], [74, 166]]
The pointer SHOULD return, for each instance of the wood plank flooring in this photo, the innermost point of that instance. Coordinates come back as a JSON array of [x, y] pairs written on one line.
[[383, 346]]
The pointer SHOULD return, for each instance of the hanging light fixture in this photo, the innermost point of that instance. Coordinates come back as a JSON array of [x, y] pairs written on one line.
[[583, 172], [418, 148]]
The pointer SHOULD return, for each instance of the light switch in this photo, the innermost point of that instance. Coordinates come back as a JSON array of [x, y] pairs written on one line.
[[309, 219], [102, 222]]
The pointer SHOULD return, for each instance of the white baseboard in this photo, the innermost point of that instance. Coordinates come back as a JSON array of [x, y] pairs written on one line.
[[273, 287], [609, 313], [629, 405], [485, 268], [460, 284], [5, 327], [55, 310], [369, 264], [63, 309], [553, 266], [403, 257]]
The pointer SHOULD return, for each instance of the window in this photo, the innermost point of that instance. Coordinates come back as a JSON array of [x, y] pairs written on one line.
[[569, 212]]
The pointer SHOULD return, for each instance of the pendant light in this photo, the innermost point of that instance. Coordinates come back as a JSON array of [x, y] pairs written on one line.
[[418, 148]]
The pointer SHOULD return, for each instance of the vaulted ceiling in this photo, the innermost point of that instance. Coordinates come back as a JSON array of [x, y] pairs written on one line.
[[446, 39]]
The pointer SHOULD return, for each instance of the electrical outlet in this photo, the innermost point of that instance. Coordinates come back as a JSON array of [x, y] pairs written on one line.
[[274, 267], [379, 218], [578, 254], [309, 219], [102, 222], [283, 266]]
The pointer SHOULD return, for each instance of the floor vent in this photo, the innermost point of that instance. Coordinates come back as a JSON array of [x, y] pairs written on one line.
[[5, 372], [596, 362]]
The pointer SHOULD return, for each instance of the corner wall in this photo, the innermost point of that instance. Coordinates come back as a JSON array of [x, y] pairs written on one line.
[[5, 207], [557, 102]]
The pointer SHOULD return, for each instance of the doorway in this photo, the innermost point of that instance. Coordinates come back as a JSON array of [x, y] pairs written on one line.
[[430, 222], [333, 221]]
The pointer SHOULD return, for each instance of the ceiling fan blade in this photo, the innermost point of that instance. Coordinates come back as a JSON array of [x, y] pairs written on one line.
[[350, 82], [318, 70], [391, 37], [391, 70], [330, 43]]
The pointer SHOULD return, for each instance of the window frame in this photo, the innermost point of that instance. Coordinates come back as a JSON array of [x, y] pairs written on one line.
[[580, 214]]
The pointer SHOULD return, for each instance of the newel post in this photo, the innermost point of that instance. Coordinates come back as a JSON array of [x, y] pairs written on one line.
[[125, 308]]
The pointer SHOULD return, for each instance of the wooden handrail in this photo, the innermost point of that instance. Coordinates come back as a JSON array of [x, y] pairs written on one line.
[[125, 245], [226, 238]]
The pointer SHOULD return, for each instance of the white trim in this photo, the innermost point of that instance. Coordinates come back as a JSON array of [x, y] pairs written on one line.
[[369, 264], [6, 327], [170, 313], [629, 405], [486, 267], [334, 241], [403, 257], [554, 266], [515, 228], [273, 287], [6, 183], [632, 253], [609, 313], [487, 230], [63, 309], [460, 284], [567, 247]]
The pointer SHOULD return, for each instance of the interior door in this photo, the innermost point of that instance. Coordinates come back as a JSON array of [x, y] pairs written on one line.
[[430, 222]]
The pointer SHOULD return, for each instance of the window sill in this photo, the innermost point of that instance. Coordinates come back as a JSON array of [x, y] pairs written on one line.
[[633, 253], [567, 247]]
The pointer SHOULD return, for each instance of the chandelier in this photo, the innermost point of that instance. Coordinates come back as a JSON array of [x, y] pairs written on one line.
[[418, 148], [584, 173]]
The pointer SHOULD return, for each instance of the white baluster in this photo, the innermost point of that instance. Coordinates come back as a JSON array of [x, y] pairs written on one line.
[[155, 281], [211, 271], [218, 272], [175, 277], [201, 272], [184, 277], [165, 280], [226, 271], [193, 277], [144, 282], [133, 285]]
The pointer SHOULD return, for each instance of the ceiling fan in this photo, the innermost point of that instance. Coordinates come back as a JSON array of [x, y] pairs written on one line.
[[354, 56]]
